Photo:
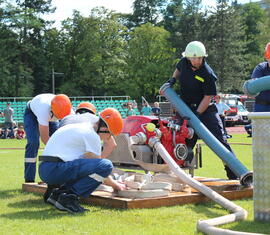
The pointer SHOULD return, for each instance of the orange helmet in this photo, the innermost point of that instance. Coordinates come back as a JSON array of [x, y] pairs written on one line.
[[113, 120], [61, 106], [267, 51], [87, 106]]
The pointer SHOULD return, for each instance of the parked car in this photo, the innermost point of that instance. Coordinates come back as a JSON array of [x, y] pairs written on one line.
[[231, 116], [238, 114], [243, 114]]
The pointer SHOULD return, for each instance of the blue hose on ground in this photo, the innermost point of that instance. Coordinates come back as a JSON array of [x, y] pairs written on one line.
[[212, 142], [253, 87]]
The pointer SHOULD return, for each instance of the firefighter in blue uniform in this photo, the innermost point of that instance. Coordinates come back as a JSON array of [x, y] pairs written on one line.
[[262, 100], [197, 87]]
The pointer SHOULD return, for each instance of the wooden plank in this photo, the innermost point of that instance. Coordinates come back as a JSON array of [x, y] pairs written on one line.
[[175, 198]]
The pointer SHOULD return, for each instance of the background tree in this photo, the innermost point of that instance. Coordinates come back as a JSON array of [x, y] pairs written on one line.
[[256, 32], [96, 54], [227, 47], [147, 11], [183, 20], [150, 61]]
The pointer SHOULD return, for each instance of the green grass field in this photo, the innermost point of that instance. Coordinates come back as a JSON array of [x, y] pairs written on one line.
[[25, 213]]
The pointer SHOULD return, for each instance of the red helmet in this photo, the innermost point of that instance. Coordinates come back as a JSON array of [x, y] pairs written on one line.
[[267, 51], [88, 106], [113, 120], [61, 106]]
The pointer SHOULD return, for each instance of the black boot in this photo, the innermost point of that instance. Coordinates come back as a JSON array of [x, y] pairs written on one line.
[[230, 173]]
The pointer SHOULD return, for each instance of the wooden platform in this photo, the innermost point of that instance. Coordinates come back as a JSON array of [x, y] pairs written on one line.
[[230, 189]]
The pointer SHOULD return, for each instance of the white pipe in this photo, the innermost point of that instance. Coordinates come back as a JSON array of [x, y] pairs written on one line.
[[205, 226]]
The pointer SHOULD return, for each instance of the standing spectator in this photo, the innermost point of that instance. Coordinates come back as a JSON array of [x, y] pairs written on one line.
[[41, 120], [130, 110], [198, 86], [222, 107], [73, 159], [146, 109], [156, 109], [8, 126]]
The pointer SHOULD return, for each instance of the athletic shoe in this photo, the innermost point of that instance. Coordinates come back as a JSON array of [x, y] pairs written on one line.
[[48, 192], [55, 193], [70, 203]]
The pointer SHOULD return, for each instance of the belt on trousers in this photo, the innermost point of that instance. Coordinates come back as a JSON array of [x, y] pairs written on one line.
[[49, 159], [262, 102]]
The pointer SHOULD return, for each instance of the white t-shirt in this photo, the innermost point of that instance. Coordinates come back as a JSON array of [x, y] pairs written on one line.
[[41, 107], [70, 142], [79, 118]]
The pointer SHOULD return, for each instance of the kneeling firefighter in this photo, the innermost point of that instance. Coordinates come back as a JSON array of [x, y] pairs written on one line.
[[73, 159]]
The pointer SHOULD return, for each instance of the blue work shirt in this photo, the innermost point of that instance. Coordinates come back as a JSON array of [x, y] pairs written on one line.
[[194, 85], [262, 70]]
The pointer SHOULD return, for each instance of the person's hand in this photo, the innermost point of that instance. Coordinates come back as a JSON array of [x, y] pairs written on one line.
[[164, 86], [119, 186]]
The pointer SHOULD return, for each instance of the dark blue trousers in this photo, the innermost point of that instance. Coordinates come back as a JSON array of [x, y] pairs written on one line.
[[81, 176], [212, 121], [32, 146]]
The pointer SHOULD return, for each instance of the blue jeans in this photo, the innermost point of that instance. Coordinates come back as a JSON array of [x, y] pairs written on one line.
[[81, 176], [31, 150]]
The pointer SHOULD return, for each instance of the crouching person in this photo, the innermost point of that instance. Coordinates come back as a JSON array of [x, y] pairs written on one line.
[[72, 158]]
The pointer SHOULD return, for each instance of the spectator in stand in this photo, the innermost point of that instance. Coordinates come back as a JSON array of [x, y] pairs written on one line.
[[222, 107], [146, 109], [20, 133], [8, 126], [156, 109], [130, 110]]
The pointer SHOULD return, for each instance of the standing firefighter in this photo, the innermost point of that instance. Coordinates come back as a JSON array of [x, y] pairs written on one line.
[[262, 101], [40, 121], [197, 88], [73, 159]]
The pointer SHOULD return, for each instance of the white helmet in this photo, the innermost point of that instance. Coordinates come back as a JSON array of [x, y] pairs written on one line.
[[195, 49]]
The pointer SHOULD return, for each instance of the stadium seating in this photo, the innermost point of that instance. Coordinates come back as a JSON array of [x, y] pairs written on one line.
[[119, 104]]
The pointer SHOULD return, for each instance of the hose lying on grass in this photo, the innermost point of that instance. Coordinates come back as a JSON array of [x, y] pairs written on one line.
[[205, 226]]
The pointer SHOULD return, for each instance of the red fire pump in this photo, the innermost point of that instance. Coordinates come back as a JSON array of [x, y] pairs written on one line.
[[172, 135]]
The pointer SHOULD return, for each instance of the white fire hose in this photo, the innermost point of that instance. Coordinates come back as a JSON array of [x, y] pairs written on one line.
[[205, 226]]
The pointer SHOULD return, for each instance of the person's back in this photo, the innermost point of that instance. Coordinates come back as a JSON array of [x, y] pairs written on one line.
[[71, 142], [78, 118]]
